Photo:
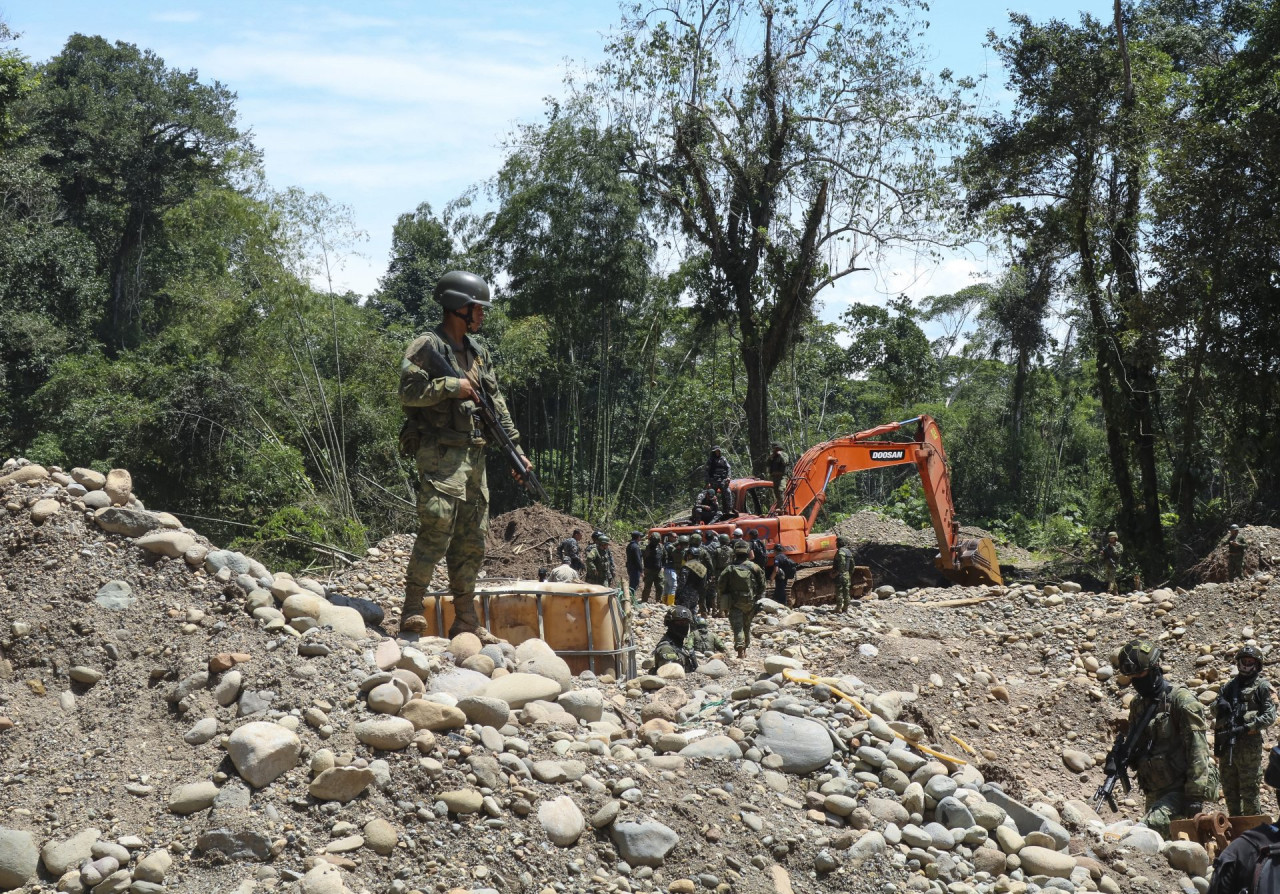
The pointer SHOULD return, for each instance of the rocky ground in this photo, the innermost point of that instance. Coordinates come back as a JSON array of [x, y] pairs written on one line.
[[175, 717]]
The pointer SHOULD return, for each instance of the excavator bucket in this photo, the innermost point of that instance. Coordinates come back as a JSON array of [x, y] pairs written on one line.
[[976, 564]]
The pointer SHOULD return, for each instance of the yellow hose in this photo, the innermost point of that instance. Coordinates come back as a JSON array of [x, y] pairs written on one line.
[[810, 680]]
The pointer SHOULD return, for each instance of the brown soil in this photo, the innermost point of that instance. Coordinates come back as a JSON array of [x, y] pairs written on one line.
[[523, 540], [1262, 554]]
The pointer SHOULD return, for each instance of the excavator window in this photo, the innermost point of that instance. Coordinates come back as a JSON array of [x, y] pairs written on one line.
[[757, 506]]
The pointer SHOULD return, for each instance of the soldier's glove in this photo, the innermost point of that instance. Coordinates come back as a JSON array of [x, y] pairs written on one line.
[[1239, 730], [1195, 807]]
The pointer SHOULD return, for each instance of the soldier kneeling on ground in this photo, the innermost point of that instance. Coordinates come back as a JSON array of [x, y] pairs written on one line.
[[1172, 759], [671, 649], [704, 639], [1251, 863]]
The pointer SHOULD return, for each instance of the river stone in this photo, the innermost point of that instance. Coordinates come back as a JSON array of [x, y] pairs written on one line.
[[562, 821], [551, 666], [96, 499], [865, 848], [323, 878], [645, 843], [803, 745], [1042, 861], [153, 867], [341, 784], [386, 699], [463, 646], [462, 801], [44, 510], [115, 595], [380, 836], [518, 689], [584, 704], [262, 751], [345, 622], [713, 747], [59, 856], [88, 478], [129, 522], [166, 543], [204, 730], [484, 711], [1187, 856], [459, 682], [119, 486], [386, 733], [953, 814], [433, 716], [235, 844], [19, 858], [192, 797]]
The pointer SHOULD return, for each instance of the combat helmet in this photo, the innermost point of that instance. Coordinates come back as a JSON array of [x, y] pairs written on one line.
[[1137, 656], [695, 539], [741, 548], [1250, 652], [458, 288], [683, 538], [678, 615], [723, 539]]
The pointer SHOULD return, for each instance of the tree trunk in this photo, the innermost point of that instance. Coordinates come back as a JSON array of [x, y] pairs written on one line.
[[755, 405]]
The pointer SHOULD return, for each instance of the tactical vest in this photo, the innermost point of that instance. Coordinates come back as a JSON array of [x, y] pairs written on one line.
[[450, 423]]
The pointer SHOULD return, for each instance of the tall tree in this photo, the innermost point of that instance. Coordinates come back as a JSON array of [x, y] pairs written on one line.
[[789, 143], [127, 139]]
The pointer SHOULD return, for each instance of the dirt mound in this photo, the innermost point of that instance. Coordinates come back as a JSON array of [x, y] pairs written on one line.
[[1262, 553], [868, 526], [523, 540]]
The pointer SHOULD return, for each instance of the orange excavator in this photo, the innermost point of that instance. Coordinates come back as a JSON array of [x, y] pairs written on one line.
[[970, 562]]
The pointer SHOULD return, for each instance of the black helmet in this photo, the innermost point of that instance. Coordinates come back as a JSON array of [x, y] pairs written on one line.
[[678, 615], [839, 542], [1254, 653], [1138, 656], [458, 288]]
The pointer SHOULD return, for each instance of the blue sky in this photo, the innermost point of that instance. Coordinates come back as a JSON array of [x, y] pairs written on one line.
[[388, 103]]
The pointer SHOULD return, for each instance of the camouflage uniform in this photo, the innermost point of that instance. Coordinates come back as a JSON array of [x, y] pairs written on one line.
[[1172, 759], [453, 493], [1249, 704], [693, 579], [719, 558], [705, 640], [741, 589], [842, 568], [652, 562], [1112, 554], [1236, 547], [598, 565]]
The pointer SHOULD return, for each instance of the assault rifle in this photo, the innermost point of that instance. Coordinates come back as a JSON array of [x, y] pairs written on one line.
[[1224, 741], [1119, 758], [430, 359]]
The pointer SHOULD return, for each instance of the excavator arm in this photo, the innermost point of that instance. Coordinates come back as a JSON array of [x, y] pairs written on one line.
[[969, 562]]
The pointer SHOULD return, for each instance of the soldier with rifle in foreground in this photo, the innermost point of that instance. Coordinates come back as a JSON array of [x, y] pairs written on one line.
[[453, 410], [1244, 709], [1167, 744]]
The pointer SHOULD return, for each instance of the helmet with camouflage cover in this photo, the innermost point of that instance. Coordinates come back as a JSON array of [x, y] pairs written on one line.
[[458, 288], [655, 537], [741, 548], [695, 539], [723, 539], [1137, 656], [683, 538], [701, 623]]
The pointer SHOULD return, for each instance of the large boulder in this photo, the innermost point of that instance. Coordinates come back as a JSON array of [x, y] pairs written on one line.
[[19, 858], [645, 843], [262, 751], [1038, 860], [129, 522], [59, 856], [803, 745], [119, 486], [433, 716]]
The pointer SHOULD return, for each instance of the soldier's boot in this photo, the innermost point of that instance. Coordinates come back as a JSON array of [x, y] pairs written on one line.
[[412, 619], [742, 653], [465, 620]]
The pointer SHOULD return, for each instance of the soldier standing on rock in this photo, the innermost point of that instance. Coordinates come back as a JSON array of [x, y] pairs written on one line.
[[1112, 553], [1237, 543], [842, 568], [776, 466], [652, 559], [442, 434], [1172, 759], [741, 589], [1244, 709]]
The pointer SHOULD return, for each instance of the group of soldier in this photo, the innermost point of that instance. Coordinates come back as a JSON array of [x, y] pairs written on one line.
[[715, 501], [1112, 555], [1168, 745]]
